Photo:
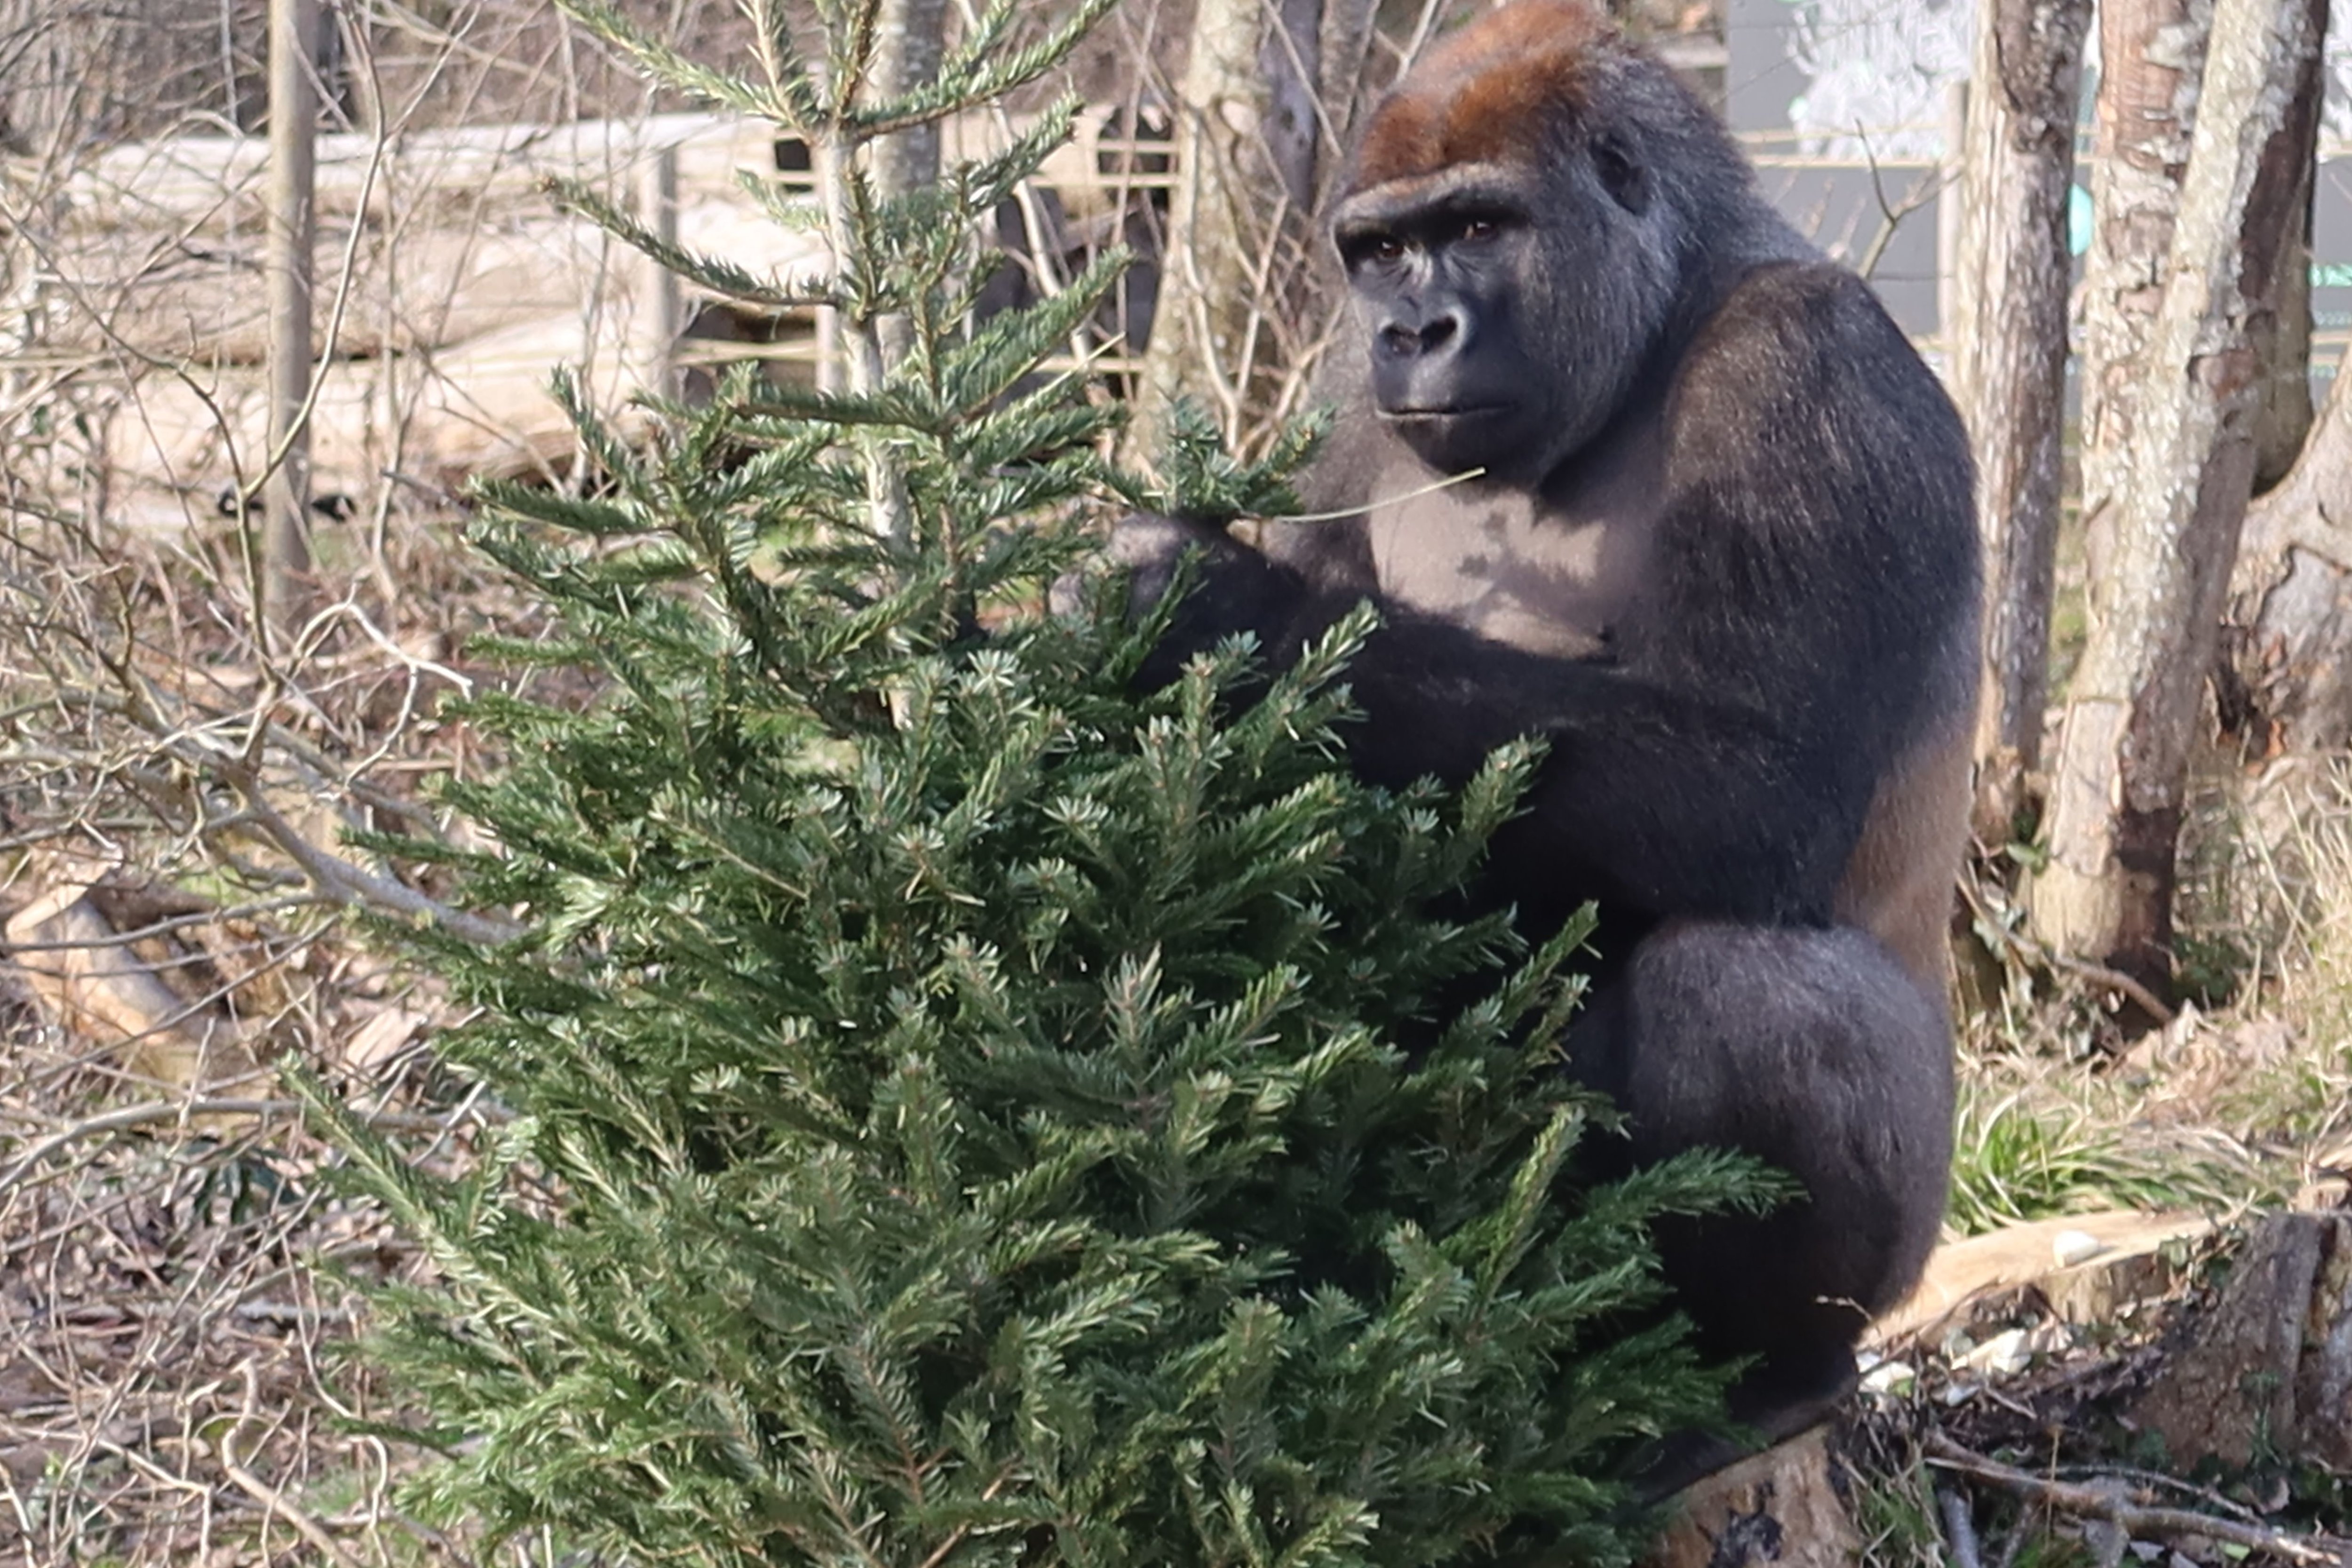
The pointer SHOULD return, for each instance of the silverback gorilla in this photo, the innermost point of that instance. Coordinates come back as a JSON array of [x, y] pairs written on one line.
[[1715, 546]]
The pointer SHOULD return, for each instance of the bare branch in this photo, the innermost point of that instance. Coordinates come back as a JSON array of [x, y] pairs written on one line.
[[2133, 1518]]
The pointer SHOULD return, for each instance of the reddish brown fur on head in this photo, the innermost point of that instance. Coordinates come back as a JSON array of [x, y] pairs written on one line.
[[1488, 92]]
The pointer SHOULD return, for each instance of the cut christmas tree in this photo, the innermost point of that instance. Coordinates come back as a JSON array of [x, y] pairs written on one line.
[[966, 1110]]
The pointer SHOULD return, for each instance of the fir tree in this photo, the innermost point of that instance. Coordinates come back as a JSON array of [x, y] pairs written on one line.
[[966, 1112]]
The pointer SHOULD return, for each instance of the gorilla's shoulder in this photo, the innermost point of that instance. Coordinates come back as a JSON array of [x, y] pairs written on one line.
[[1790, 315], [1798, 352]]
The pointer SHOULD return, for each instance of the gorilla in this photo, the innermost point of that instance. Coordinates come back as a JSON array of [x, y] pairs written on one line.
[[1627, 465]]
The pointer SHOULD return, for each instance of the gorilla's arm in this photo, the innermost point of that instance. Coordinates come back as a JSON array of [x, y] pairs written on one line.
[[1817, 530], [1655, 795], [1659, 796]]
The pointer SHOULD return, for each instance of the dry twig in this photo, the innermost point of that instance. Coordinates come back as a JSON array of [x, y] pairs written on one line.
[[1959, 1527], [2133, 1517]]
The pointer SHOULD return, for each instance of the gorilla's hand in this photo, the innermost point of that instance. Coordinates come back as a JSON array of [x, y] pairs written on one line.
[[1149, 547], [1234, 588], [1143, 543]]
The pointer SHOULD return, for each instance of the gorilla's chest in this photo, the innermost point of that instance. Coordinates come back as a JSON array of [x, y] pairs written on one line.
[[1560, 577]]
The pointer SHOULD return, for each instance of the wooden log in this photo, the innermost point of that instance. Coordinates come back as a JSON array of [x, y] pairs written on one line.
[[422, 290], [464, 288], [2267, 1365], [480, 407], [210, 187], [2073, 1260], [88, 979]]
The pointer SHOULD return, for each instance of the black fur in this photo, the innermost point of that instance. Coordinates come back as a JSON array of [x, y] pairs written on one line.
[[1722, 558]]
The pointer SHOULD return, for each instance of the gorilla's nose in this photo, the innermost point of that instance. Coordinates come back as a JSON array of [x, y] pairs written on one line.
[[1407, 339]]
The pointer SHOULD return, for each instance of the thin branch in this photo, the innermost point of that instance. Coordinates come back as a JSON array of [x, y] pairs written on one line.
[[346, 883], [274, 1498], [148, 1113], [2022, 949], [2134, 1519], [2114, 980], [1892, 214], [1959, 1527]]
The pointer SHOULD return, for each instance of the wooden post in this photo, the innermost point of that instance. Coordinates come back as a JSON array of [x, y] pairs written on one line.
[[662, 323], [824, 166], [292, 232], [1948, 209], [912, 40]]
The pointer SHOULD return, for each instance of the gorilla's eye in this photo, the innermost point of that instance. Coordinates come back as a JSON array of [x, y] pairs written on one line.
[[1477, 230], [1378, 248]]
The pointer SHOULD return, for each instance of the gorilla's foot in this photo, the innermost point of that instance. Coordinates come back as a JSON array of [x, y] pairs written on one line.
[[1763, 1419]]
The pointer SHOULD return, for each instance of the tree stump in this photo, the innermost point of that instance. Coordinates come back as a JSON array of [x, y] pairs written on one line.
[[1783, 1506], [2270, 1361]]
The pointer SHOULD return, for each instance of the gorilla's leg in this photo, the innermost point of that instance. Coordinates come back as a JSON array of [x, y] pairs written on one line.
[[1812, 1050]]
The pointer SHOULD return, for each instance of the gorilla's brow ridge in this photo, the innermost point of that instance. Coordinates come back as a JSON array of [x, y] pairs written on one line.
[[1486, 189]]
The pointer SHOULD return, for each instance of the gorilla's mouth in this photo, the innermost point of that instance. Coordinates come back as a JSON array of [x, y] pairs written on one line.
[[1461, 411]]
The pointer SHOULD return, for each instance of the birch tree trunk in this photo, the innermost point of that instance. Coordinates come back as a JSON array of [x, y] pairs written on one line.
[[2151, 55], [291, 238], [2010, 362], [1231, 204], [2177, 458]]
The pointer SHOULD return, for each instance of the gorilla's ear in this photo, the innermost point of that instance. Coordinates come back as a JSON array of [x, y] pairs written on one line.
[[1621, 176]]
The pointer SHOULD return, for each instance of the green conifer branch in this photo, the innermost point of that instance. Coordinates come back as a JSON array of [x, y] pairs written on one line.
[[713, 273], [673, 69]]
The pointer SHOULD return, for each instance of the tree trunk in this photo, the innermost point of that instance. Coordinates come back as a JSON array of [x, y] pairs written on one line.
[[2176, 461], [661, 301], [292, 234], [2151, 54], [1346, 44], [46, 52], [2010, 362], [1291, 59], [911, 39], [2283, 334], [1211, 339], [2291, 644]]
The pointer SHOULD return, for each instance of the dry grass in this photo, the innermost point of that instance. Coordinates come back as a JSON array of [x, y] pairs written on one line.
[[168, 1391], [2269, 888], [2245, 1096], [167, 1396]]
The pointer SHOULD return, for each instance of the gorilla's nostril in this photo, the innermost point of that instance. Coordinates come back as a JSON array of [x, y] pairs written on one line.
[[1437, 334]]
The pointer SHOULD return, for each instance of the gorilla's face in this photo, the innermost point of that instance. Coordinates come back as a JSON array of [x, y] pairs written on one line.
[[1506, 310]]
